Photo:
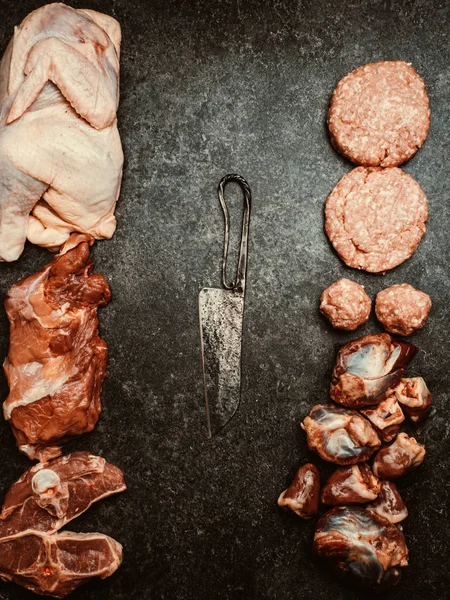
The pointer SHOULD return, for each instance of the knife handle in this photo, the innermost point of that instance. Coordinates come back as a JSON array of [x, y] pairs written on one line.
[[238, 285]]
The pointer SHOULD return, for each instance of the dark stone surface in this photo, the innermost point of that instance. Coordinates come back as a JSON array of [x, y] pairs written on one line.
[[208, 88]]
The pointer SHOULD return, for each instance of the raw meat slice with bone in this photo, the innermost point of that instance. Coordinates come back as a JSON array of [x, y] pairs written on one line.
[[49, 495], [32, 551], [55, 565]]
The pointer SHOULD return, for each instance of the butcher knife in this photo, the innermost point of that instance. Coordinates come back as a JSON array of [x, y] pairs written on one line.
[[221, 312]]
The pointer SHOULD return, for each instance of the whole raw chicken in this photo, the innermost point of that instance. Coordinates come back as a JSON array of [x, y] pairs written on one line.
[[60, 152]]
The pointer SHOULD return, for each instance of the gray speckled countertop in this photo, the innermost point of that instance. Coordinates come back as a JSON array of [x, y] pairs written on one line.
[[212, 87]]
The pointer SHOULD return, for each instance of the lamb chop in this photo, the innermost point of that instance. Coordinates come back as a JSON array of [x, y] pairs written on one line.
[[60, 151], [48, 496], [32, 551], [56, 361]]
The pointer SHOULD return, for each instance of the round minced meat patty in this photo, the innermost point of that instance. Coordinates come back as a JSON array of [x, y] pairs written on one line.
[[345, 304], [402, 309], [375, 218], [379, 114]]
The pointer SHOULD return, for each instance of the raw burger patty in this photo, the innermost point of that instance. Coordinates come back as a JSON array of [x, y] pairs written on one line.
[[345, 304], [375, 218], [379, 114], [402, 309]]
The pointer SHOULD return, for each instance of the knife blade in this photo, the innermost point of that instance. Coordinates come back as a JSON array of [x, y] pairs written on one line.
[[221, 313]]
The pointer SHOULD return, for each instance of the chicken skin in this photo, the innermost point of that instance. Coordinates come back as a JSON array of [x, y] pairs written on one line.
[[60, 151]]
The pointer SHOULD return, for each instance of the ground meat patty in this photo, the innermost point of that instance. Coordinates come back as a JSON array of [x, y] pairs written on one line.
[[402, 309], [379, 114], [375, 218], [345, 304]]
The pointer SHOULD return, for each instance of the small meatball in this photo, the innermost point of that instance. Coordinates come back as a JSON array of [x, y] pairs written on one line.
[[386, 417], [302, 496], [389, 503], [339, 435], [375, 218], [367, 368], [361, 545], [402, 309], [345, 304], [379, 114], [414, 395], [350, 485], [399, 458]]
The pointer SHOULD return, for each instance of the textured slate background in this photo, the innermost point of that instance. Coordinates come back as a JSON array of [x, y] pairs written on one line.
[[212, 87]]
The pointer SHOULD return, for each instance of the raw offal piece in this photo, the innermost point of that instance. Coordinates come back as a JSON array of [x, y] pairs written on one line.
[[367, 368], [61, 156], [389, 503], [33, 553], [415, 398], [375, 218], [350, 485], [402, 309], [379, 114], [345, 304], [388, 434], [402, 456], [386, 417], [361, 545], [56, 361], [339, 435], [302, 496]]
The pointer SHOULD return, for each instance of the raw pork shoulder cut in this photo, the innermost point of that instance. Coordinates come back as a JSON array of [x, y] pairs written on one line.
[[56, 361], [60, 151], [44, 499]]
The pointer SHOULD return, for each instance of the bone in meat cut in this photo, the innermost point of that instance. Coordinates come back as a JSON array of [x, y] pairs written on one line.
[[33, 553]]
